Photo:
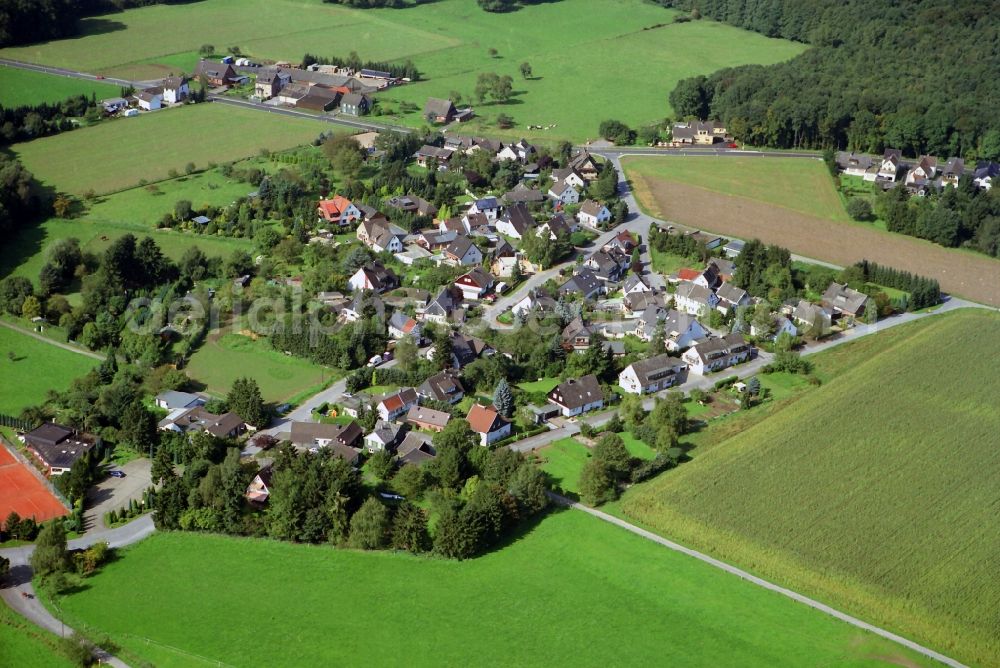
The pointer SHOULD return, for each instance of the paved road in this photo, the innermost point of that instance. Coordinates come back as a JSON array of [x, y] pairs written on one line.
[[115, 493], [20, 578], [65, 346], [760, 582], [336, 119]]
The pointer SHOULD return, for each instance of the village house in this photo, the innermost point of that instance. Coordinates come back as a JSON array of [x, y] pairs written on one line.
[[843, 300], [57, 447], [593, 213], [362, 300], [172, 400], [114, 104], [488, 206], [520, 151], [584, 282], [259, 488], [731, 297], [490, 425], [679, 329], [577, 395], [694, 299], [385, 436], [569, 176], [436, 241], [635, 283], [432, 155], [854, 164], [355, 104], [269, 82], [714, 354], [536, 301], [952, 172], [733, 248], [376, 230], [564, 193], [401, 325], [516, 221], [462, 252], [437, 110], [373, 276], [651, 374], [889, 167], [711, 241], [781, 325], [312, 435], [445, 386], [812, 317], [576, 335], [638, 301], [475, 284], [443, 306], [985, 174], [338, 210], [427, 419], [923, 172], [554, 228], [394, 405], [699, 132], [176, 89], [523, 194], [415, 449], [412, 204], [624, 241], [608, 266], [585, 165], [216, 74], [150, 99], [198, 418]]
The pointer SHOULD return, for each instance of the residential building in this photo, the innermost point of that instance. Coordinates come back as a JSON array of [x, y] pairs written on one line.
[[150, 99], [462, 252], [923, 172], [259, 489], [428, 155], [216, 74], [437, 110], [172, 400], [445, 387], [578, 395], [413, 204], [699, 132], [556, 227], [952, 172], [731, 297], [441, 308], [415, 449], [781, 325], [733, 248], [812, 317], [651, 375], [516, 221], [576, 335], [843, 300], [427, 419], [396, 404], [355, 104], [269, 82], [58, 447], [385, 436], [679, 329], [175, 89], [401, 325], [584, 283], [490, 425], [197, 418], [714, 354], [889, 167], [488, 206], [536, 301], [373, 276], [634, 283], [593, 213], [475, 284], [520, 151], [694, 299], [985, 174], [338, 210], [564, 193], [569, 176], [523, 194], [311, 435], [585, 165], [608, 265]]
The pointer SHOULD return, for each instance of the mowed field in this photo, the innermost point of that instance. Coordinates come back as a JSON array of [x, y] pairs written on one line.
[[119, 154], [606, 59], [223, 359], [36, 368], [787, 201], [877, 493], [572, 591], [24, 87], [24, 644]]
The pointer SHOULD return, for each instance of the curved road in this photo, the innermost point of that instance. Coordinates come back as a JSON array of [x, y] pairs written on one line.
[[20, 578]]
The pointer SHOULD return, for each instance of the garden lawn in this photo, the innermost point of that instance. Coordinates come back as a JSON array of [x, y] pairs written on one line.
[[668, 263], [37, 368], [876, 492], [120, 154], [24, 644], [793, 183], [449, 41], [223, 359], [563, 460], [25, 87], [544, 385], [544, 600]]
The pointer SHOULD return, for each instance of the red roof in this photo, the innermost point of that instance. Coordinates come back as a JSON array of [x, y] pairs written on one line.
[[688, 274], [483, 419], [333, 208]]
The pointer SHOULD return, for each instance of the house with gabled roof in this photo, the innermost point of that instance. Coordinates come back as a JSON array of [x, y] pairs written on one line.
[[578, 395], [415, 449], [635, 283], [488, 206], [355, 104], [311, 435], [651, 375], [427, 419], [437, 110], [445, 386], [150, 99], [780, 325], [585, 165], [412, 204], [374, 276], [812, 317], [890, 166], [395, 405], [694, 299], [58, 447], [731, 297], [401, 325], [524, 194], [176, 89], [427, 154], [576, 335], [715, 354], [923, 172], [952, 172], [516, 221], [536, 301], [462, 252], [441, 308], [488, 423], [569, 176], [520, 151], [555, 227], [259, 489], [843, 300], [475, 284], [564, 193], [385, 436], [608, 265], [583, 282], [593, 213], [216, 74], [338, 210]]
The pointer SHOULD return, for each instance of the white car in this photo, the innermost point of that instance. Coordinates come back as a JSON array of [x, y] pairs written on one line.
[[375, 360]]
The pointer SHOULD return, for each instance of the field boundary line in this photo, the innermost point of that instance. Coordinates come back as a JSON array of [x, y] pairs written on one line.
[[64, 346], [761, 582]]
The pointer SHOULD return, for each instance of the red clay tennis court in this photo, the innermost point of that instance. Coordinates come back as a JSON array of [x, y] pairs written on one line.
[[23, 493]]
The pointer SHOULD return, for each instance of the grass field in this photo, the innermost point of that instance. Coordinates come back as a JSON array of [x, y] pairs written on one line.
[[596, 47], [24, 644], [24, 87], [793, 183], [876, 492], [223, 359], [770, 200], [543, 600], [37, 368], [122, 153], [541, 385], [564, 459]]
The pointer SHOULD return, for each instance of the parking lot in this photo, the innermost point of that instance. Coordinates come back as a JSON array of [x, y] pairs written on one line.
[[114, 493]]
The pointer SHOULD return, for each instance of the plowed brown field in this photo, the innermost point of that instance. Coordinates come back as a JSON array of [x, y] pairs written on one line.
[[965, 274]]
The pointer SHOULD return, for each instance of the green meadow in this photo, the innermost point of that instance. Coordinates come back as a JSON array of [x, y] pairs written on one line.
[[36, 368], [591, 59], [24, 87], [24, 644], [876, 492], [572, 590]]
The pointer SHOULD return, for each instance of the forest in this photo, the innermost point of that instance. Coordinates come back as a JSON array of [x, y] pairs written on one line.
[[919, 76], [29, 21]]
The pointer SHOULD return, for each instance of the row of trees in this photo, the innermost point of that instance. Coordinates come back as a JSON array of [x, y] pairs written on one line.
[[926, 98], [405, 71], [923, 291]]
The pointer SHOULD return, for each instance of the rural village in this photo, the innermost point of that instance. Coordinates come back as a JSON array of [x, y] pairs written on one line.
[[337, 302]]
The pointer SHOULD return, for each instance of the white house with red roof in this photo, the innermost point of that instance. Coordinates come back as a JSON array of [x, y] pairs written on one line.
[[475, 284], [485, 421], [339, 210]]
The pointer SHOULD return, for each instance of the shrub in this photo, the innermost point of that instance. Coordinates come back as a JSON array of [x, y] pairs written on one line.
[[859, 209]]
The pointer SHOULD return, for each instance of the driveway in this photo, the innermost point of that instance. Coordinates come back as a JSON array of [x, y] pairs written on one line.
[[114, 493]]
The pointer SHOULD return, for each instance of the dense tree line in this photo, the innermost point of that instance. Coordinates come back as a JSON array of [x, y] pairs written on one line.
[[923, 291], [878, 74], [406, 70], [30, 122], [19, 200]]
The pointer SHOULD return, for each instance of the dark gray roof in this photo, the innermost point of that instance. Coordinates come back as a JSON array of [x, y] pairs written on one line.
[[655, 368], [577, 392]]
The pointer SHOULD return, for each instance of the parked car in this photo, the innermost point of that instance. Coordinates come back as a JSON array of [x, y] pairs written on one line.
[[387, 355], [116, 474], [375, 360]]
